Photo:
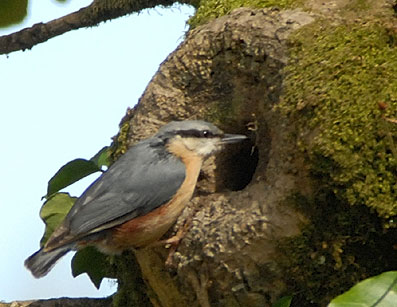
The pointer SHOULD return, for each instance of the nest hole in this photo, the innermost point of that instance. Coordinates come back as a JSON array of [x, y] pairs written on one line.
[[238, 165]]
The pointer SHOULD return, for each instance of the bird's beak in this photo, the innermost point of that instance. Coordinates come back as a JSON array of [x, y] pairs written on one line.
[[232, 138]]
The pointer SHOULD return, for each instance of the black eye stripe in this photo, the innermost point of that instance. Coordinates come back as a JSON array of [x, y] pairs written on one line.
[[196, 133]]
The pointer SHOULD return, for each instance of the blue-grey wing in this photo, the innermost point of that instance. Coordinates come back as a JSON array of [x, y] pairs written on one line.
[[144, 178]]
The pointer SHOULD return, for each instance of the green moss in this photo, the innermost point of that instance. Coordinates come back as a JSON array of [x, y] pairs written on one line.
[[223, 112], [120, 142], [131, 290], [359, 5], [211, 9], [341, 246], [338, 82], [336, 78]]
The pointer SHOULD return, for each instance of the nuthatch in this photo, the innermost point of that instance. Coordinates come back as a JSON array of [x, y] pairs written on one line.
[[136, 201]]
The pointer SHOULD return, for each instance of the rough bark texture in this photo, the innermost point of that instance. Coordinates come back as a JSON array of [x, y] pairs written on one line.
[[232, 71], [229, 72]]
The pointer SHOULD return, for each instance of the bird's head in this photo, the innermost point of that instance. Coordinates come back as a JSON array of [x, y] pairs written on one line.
[[198, 137]]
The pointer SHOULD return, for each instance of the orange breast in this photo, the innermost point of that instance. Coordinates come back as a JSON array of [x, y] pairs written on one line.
[[149, 228]]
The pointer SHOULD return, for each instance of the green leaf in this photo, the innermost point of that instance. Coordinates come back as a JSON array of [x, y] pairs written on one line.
[[92, 262], [380, 291], [102, 158], [54, 211], [70, 173], [12, 12], [285, 301]]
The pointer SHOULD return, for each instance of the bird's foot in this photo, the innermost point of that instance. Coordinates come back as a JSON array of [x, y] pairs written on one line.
[[173, 242]]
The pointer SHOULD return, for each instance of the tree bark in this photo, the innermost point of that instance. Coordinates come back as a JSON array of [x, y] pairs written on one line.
[[265, 221], [230, 72]]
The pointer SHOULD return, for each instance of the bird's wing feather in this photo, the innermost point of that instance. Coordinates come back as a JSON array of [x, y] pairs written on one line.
[[144, 178]]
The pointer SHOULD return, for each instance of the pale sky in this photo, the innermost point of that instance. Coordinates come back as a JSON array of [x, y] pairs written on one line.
[[64, 100]]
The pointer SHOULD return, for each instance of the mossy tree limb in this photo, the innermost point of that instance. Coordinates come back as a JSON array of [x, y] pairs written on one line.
[[234, 71], [338, 76], [228, 72]]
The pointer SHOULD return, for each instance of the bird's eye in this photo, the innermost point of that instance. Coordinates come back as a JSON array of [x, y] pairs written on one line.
[[206, 133]]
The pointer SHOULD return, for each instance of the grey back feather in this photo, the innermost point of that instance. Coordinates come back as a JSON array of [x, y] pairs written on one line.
[[144, 178]]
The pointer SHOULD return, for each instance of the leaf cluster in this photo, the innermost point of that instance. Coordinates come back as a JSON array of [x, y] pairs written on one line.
[[58, 204]]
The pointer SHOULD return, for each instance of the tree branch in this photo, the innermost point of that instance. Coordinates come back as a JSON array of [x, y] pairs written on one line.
[[98, 11], [63, 301]]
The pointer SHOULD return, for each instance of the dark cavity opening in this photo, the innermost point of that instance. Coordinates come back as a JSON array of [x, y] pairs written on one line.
[[237, 165]]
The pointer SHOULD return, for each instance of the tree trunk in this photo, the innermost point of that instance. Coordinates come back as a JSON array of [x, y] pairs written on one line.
[[307, 207], [267, 218], [229, 72]]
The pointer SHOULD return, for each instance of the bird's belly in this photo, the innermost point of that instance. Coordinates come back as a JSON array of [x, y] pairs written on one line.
[[146, 229]]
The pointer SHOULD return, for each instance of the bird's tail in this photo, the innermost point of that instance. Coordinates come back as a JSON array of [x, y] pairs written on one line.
[[41, 262]]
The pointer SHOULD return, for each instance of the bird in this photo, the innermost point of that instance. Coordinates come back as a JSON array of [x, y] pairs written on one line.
[[137, 200]]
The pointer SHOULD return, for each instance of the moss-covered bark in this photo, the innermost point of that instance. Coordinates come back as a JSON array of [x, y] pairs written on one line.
[[229, 72], [316, 93], [308, 206], [207, 10], [336, 80], [341, 93]]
